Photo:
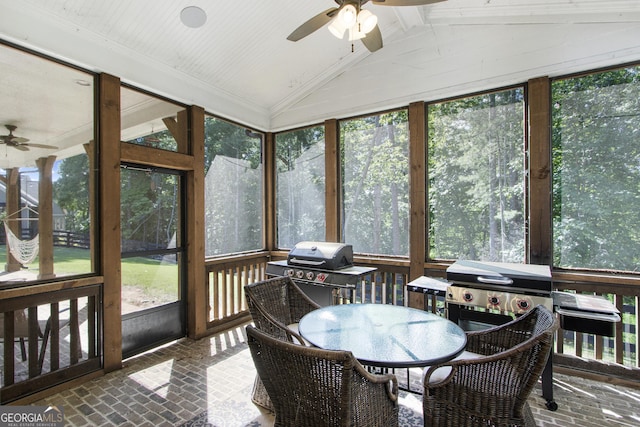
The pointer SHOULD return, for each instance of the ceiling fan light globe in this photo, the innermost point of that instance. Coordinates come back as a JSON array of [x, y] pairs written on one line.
[[337, 28], [348, 15], [366, 21]]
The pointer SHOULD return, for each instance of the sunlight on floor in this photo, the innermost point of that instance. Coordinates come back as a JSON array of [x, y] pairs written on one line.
[[156, 378]]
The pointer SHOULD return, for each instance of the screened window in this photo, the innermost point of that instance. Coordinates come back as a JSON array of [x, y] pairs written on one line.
[[151, 121], [596, 170], [476, 178], [233, 188], [300, 192], [46, 167], [375, 183]]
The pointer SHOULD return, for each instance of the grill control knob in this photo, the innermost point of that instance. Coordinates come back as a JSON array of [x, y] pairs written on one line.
[[289, 273], [523, 304], [310, 275], [299, 274], [494, 300], [467, 296]]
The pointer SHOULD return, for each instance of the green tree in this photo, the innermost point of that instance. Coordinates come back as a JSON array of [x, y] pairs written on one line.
[[375, 164], [233, 188], [596, 170], [476, 178], [71, 192], [300, 185]]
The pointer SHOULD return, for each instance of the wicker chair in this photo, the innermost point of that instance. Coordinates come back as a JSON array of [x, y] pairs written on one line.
[[276, 306], [315, 387], [491, 388]]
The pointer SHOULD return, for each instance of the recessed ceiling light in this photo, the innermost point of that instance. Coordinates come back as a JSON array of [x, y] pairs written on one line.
[[193, 17]]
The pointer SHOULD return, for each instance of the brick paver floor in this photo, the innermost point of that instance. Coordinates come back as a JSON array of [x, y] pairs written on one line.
[[208, 383]]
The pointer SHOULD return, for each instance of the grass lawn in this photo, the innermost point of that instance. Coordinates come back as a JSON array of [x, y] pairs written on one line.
[[151, 276]]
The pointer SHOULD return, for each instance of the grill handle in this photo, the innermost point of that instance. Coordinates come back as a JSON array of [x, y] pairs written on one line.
[[496, 280], [307, 262]]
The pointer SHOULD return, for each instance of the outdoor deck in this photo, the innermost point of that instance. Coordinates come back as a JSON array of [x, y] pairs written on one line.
[[208, 383]]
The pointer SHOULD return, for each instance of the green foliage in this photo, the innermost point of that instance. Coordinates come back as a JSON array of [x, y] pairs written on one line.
[[596, 170], [230, 140], [233, 188], [71, 192], [475, 178], [375, 180], [300, 181], [149, 202]]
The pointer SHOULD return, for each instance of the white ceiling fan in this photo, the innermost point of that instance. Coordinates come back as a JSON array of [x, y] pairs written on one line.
[[18, 142], [349, 16]]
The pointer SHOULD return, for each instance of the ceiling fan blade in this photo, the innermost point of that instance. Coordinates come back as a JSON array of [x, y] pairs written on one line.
[[373, 39], [404, 2], [313, 24], [18, 140], [20, 147], [51, 147]]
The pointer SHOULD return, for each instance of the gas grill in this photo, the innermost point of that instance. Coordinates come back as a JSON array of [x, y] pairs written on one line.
[[482, 294], [323, 270]]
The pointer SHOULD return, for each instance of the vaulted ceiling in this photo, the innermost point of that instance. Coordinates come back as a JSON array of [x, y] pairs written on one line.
[[241, 66]]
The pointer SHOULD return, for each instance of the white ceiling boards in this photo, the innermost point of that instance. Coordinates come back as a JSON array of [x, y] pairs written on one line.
[[240, 65]]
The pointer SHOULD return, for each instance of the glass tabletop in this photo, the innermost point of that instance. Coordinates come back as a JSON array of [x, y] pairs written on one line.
[[384, 335]]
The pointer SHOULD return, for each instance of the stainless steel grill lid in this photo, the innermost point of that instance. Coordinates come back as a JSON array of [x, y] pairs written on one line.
[[322, 255], [501, 275]]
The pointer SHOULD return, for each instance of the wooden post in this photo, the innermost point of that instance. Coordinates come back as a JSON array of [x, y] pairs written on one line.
[[197, 304], [109, 203], [45, 211], [417, 197], [539, 99], [13, 206], [270, 217], [332, 181], [90, 150]]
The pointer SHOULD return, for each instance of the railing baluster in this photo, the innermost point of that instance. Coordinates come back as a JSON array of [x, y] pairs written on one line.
[[9, 348], [34, 334], [29, 375], [74, 331]]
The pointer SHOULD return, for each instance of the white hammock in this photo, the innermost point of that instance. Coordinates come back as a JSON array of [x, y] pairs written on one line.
[[24, 251]]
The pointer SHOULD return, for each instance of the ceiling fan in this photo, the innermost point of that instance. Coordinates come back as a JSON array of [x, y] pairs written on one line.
[[18, 142], [349, 15]]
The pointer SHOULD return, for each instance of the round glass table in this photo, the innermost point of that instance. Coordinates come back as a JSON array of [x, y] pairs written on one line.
[[384, 335]]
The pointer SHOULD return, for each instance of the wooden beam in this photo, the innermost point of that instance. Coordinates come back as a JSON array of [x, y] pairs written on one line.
[[109, 208], [332, 181], [155, 157], [197, 304], [539, 145]]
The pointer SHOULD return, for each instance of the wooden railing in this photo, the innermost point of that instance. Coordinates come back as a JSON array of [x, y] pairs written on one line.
[[226, 278], [386, 285], [617, 355], [48, 338]]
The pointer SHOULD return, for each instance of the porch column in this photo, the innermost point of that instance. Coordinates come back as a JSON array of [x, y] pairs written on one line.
[[13, 206], [45, 211], [90, 150]]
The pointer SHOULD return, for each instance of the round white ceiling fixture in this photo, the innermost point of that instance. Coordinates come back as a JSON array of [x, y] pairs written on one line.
[[193, 17]]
